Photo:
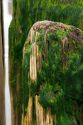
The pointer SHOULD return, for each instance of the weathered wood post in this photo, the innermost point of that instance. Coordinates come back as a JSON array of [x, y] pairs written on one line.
[[42, 116]]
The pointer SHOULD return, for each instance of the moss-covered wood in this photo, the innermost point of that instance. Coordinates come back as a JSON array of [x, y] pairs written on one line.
[[25, 14], [52, 61]]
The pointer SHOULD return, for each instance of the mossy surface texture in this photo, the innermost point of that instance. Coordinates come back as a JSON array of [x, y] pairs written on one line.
[[59, 83]]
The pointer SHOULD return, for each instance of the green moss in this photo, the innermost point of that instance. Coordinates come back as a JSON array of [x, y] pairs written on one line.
[[26, 13], [63, 119]]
